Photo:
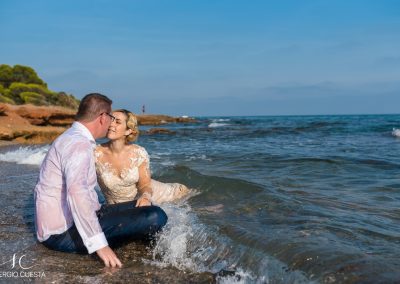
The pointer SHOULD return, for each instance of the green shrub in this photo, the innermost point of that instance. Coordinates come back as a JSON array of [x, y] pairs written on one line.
[[26, 75], [33, 98], [4, 99], [6, 75], [17, 88], [2, 89], [8, 94], [62, 99], [19, 83]]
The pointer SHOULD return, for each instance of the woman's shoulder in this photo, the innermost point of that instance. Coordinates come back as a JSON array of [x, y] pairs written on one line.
[[137, 149]]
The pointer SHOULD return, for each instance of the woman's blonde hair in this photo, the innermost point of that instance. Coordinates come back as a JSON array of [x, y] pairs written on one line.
[[131, 123]]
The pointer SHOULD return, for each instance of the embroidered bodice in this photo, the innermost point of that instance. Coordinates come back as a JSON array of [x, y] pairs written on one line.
[[121, 187]]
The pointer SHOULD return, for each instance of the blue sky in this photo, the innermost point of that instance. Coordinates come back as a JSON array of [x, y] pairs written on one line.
[[213, 57]]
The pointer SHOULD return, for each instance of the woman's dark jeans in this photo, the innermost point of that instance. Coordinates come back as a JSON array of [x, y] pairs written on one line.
[[121, 223]]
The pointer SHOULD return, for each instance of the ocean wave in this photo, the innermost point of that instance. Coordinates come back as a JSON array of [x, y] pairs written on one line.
[[25, 155], [294, 130], [396, 132], [221, 120], [30, 155], [189, 245], [314, 126], [209, 185], [198, 157], [217, 124], [303, 160]]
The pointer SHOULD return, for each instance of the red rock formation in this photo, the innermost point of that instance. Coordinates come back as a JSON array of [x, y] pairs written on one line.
[[158, 131], [33, 124], [156, 119], [42, 124]]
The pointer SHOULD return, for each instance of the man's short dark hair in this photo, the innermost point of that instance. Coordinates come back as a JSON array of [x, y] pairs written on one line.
[[91, 106]]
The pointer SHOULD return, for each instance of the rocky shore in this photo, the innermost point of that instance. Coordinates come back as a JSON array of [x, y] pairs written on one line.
[[42, 124]]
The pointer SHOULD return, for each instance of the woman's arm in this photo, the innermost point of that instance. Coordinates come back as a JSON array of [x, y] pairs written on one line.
[[144, 184]]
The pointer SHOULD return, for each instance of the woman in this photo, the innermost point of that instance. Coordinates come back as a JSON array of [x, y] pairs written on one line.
[[123, 169]]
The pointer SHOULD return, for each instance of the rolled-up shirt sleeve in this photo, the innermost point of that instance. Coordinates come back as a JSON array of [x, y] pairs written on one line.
[[80, 180]]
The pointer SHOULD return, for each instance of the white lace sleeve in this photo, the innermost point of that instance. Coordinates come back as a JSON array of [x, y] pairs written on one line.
[[144, 184], [143, 157]]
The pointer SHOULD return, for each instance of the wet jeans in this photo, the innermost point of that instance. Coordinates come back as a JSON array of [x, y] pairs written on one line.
[[121, 223]]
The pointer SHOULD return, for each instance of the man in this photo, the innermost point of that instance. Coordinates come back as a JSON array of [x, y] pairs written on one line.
[[69, 217]]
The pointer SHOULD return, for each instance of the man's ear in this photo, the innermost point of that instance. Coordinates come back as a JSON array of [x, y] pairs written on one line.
[[102, 119]]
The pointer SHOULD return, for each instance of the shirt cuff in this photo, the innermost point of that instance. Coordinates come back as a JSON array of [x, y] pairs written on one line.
[[95, 243]]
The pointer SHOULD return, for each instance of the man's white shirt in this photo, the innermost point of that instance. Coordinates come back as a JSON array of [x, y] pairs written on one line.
[[65, 194]]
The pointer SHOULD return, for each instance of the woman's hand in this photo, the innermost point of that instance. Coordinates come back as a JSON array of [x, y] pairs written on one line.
[[143, 201]]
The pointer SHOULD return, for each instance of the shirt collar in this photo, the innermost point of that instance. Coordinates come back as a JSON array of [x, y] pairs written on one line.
[[84, 131]]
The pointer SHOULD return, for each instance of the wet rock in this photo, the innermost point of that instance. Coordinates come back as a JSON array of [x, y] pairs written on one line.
[[156, 119], [159, 131], [43, 116]]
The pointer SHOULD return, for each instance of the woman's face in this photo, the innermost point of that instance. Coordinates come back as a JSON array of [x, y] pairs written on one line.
[[118, 127]]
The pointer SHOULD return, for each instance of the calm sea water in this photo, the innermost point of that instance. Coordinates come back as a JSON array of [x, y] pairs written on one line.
[[288, 199]]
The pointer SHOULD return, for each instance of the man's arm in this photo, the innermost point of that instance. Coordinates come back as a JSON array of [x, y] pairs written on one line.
[[80, 178]]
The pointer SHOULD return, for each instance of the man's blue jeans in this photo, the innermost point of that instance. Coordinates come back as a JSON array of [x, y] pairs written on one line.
[[121, 223]]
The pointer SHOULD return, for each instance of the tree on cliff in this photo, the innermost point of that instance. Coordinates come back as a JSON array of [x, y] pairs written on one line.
[[18, 73], [21, 85]]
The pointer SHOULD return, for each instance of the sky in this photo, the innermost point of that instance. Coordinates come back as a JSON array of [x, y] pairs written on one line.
[[213, 58]]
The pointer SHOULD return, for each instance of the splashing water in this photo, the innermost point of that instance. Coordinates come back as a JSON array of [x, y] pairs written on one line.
[[189, 245], [396, 132], [26, 155]]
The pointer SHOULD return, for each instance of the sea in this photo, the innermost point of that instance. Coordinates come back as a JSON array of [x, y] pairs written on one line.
[[274, 199]]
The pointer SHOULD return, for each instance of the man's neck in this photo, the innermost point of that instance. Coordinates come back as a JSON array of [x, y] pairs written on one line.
[[93, 129]]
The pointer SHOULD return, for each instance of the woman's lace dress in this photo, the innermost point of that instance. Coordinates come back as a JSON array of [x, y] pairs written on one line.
[[122, 187]]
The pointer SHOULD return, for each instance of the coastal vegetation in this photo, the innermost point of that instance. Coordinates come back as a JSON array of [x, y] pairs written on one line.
[[21, 85], [31, 113]]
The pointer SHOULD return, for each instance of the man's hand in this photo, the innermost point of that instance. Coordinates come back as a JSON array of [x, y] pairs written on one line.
[[143, 201], [108, 257]]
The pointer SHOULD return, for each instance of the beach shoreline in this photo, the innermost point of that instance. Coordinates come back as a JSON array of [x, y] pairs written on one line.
[[338, 225]]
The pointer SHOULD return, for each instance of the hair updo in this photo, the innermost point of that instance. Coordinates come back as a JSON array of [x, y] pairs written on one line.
[[131, 123]]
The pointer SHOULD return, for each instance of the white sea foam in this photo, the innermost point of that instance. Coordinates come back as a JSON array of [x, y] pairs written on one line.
[[396, 132], [189, 245], [155, 156], [198, 157], [26, 155], [159, 154], [158, 165], [217, 124], [240, 277]]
